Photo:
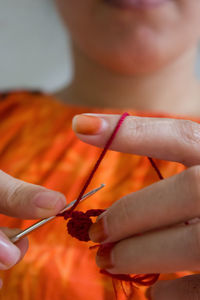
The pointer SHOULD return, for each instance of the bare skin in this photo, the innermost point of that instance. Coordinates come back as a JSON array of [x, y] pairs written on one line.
[[129, 58], [26, 201], [145, 61], [166, 90], [157, 211], [141, 59]]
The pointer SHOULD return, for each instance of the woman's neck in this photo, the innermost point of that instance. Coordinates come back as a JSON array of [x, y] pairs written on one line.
[[173, 89]]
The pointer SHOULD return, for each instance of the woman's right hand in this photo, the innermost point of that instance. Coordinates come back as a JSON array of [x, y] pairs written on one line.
[[25, 201], [145, 231]]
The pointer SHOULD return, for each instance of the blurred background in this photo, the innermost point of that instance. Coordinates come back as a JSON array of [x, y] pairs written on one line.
[[34, 48]]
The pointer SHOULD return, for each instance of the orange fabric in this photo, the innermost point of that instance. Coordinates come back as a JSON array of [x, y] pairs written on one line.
[[38, 145]]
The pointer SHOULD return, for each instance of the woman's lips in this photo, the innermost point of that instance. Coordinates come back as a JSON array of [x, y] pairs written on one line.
[[142, 4]]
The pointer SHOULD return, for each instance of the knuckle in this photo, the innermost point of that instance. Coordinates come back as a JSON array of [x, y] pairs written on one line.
[[188, 131], [137, 127], [120, 217], [124, 206], [184, 288], [15, 194], [195, 234], [191, 285], [192, 180]]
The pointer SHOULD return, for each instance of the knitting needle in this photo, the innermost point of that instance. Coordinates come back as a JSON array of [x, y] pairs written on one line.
[[40, 223]]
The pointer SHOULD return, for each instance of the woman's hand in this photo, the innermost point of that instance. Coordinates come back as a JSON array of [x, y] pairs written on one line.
[[157, 211], [26, 201]]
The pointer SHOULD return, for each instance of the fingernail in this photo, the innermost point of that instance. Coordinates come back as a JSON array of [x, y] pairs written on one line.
[[97, 232], [86, 124], [9, 253], [104, 257], [49, 200]]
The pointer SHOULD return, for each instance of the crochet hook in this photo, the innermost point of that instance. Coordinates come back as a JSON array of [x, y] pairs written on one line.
[[40, 223]]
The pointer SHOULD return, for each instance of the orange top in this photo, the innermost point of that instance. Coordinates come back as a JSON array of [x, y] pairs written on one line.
[[38, 145]]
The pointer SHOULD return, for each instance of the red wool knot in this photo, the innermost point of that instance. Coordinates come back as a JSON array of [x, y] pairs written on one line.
[[79, 224]]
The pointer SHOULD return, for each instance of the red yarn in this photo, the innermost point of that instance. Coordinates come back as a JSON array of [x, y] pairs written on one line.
[[79, 225], [155, 168], [109, 142], [141, 279], [80, 222]]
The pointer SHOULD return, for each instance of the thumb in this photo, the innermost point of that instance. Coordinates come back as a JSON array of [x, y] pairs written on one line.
[[26, 200]]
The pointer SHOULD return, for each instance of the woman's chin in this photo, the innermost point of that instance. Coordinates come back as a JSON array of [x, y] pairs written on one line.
[[130, 64], [131, 53]]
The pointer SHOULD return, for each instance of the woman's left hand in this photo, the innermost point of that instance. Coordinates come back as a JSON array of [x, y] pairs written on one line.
[[158, 211]]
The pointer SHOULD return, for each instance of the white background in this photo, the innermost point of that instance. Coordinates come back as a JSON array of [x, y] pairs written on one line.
[[34, 49], [33, 45]]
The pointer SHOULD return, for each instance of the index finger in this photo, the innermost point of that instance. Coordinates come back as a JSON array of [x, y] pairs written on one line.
[[162, 138], [28, 201]]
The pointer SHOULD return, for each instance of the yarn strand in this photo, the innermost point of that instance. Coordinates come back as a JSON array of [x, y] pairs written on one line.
[[107, 145], [155, 168]]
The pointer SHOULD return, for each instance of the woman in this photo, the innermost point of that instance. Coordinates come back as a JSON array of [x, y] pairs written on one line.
[[133, 55]]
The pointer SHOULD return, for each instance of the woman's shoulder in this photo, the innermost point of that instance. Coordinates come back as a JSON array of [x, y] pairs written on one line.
[[18, 94], [30, 101]]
